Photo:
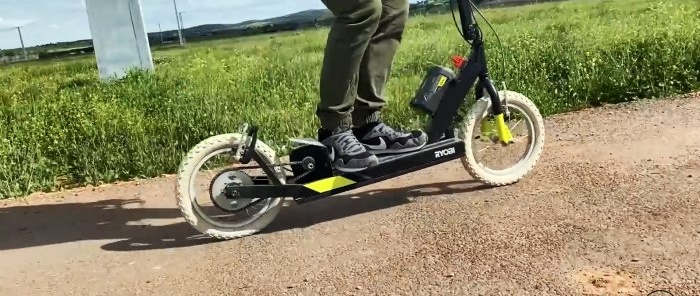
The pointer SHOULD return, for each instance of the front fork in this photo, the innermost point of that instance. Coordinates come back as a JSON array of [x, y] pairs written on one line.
[[504, 134], [246, 152]]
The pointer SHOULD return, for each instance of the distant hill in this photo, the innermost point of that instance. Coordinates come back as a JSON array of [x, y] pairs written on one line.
[[295, 21], [298, 17], [318, 17], [291, 21]]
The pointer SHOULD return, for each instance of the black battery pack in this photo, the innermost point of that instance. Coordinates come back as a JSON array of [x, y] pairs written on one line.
[[432, 89]]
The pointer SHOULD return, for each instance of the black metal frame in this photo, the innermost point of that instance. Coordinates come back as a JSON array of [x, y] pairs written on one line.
[[458, 89], [442, 146], [390, 167]]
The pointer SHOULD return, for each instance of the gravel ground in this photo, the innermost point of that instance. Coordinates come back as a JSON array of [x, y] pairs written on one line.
[[612, 209]]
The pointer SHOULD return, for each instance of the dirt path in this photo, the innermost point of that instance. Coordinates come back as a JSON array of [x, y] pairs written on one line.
[[612, 209]]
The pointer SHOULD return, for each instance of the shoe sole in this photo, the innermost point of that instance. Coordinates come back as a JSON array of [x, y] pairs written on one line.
[[395, 151], [352, 170]]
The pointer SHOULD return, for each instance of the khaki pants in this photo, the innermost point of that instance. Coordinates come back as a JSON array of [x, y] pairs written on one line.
[[359, 53]]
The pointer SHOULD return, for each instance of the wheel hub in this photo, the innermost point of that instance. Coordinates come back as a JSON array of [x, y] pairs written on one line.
[[218, 188]]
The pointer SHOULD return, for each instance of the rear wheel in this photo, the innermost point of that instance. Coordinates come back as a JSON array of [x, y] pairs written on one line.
[[200, 193], [487, 160]]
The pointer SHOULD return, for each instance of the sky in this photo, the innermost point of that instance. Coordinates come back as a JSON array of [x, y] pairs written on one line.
[[46, 21]]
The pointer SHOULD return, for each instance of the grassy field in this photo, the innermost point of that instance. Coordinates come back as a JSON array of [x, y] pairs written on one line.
[[62, 127]]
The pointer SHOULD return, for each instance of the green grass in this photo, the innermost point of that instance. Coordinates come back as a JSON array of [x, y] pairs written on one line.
[[59, 126]]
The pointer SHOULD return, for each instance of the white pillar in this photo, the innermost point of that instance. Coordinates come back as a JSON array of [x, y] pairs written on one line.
[[119, 37]]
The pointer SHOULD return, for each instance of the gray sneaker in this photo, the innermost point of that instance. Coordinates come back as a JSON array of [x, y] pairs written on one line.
[[347, 153], [379, 138]]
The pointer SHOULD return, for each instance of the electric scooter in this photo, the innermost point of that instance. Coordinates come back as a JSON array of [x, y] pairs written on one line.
[[309, 174]]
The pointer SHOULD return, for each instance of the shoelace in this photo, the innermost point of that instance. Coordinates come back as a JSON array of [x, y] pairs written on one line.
[[384, 129], [349, 143]]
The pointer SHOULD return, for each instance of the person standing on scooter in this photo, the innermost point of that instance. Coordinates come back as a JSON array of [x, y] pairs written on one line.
[[360, 50]]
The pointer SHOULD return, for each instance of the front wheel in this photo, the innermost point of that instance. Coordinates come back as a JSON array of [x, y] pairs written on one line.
[[213, 214], [527, 128]]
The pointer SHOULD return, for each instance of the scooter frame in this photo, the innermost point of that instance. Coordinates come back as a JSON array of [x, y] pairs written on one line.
[[442, 146]]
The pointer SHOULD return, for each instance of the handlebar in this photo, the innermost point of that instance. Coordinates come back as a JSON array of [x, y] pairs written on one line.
[[469, 25]]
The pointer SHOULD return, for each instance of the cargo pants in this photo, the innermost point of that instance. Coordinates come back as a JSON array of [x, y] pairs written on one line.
[[359, 53]]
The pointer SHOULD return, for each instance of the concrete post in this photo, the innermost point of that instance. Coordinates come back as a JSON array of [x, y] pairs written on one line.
[[119, 37]]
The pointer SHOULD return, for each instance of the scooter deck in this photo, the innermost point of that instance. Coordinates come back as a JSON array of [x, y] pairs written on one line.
[[390, 166]]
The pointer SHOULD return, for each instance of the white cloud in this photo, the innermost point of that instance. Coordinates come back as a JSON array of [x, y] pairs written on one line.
[[10, 23]]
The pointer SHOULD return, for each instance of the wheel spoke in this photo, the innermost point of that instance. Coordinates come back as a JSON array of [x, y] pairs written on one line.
[[516, 124], [496, 162], [518, 139], [224, 172]]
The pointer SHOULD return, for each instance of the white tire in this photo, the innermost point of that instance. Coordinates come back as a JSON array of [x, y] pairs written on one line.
[[185, 193], [515, 173]]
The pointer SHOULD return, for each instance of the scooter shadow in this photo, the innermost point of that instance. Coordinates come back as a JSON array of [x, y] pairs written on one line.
[[295, 216], [342, 206]]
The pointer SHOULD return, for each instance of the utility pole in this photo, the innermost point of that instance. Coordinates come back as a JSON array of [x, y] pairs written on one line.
[[161, 33], [21, 40], [177, 18], [182, 26]]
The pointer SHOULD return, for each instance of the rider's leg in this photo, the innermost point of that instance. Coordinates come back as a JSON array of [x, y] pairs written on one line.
[[354, 25], [374, 73]]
